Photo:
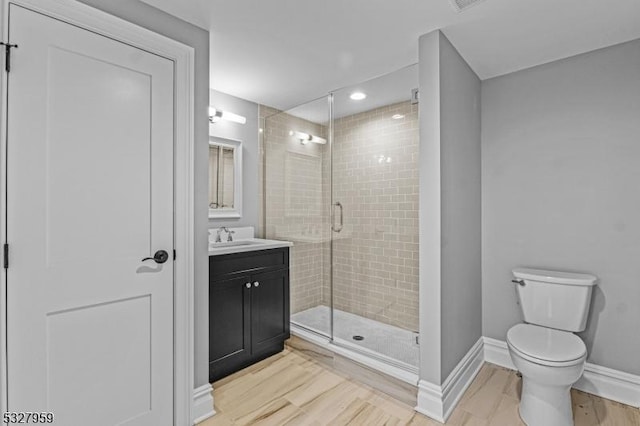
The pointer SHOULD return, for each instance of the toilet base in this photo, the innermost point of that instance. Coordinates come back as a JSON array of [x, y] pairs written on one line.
[[545, 405]]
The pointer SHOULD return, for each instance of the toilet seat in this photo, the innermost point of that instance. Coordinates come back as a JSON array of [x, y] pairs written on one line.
[[546, 346]]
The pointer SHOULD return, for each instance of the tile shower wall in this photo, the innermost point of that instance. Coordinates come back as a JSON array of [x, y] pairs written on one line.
[[375, 167], [296, 192]]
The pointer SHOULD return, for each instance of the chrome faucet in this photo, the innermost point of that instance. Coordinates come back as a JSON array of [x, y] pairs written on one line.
[[222, 228]]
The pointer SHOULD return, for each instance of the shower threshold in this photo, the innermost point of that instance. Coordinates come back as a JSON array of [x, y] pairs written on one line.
[[388, 349]]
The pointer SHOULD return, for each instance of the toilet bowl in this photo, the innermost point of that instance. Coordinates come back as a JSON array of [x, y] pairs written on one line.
[[550, 362]]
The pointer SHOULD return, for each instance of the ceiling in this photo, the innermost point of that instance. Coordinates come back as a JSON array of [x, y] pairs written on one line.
[[381, 91], [282, 53]]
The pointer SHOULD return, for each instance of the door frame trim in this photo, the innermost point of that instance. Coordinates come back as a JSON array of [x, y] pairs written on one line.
[[182, 55]]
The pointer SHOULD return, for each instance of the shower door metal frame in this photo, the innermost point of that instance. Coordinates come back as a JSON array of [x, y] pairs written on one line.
[[332, 216]]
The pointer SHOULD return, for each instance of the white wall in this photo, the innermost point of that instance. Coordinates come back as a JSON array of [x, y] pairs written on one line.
[[450, 275], [561, 190], [162, 23], [248, 134]]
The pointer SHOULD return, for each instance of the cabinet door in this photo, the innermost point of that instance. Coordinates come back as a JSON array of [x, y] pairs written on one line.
[[269, 310], [229, 325]]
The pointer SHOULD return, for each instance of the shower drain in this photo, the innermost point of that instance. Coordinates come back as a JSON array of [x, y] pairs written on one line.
[[356, 337]]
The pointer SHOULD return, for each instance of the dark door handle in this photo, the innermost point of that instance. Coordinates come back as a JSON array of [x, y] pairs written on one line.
[[161, 256]]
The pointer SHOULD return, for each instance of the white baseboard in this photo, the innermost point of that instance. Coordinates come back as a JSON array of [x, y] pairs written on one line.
[[611, 384], [600, 381], [461, 377], [430, 401], [439, 401], [202, 403], [496, 352]]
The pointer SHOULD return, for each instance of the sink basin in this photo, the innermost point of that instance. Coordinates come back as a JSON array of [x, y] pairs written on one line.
[[213, 246], [251, 244]]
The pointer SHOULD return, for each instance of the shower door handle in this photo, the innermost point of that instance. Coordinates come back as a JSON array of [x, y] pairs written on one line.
[[336, 228]]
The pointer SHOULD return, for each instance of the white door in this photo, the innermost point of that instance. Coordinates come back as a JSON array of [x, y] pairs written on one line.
[[90, 194]]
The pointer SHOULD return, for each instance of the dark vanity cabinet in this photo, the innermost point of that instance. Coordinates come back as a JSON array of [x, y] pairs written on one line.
[[248, 308]]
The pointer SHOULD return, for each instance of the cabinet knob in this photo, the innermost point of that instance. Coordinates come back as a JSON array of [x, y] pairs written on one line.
[[248, 285], [256, 284]]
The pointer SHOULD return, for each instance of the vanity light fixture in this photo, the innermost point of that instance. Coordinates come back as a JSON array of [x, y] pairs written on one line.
[[216, 115], [357, 96], [305, 138]]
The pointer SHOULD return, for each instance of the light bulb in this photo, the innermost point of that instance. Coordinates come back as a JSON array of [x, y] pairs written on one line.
[[236, 118], [357, 96], [216, 115]]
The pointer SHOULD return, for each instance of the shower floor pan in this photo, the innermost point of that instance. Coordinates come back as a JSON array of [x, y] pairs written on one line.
[[394, 344]]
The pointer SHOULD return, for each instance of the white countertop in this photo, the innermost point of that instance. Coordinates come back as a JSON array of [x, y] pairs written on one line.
[[245, 245]]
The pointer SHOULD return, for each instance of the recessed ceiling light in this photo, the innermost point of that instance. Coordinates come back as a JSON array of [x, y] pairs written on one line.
[[397, 116], [357, 96]]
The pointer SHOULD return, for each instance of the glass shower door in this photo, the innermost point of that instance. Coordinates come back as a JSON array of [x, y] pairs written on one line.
[[375, 217]]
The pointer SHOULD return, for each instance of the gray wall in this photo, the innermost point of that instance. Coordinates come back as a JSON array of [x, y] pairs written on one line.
[[560, 190], [450, 259], [248, 134], [162, 23], [461, 225]]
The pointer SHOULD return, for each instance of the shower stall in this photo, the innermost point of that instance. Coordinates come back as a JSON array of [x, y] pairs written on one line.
[[340, 180]]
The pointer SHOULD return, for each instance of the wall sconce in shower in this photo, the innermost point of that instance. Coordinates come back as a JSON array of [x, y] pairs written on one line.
[[305, 138], [216, 115]]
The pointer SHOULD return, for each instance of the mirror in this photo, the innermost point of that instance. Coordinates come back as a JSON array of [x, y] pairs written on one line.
[[225, 178]]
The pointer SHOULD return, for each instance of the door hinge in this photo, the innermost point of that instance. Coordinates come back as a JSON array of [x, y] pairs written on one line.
[[174, 254], [5, 255], [7, 54], [415, 96]]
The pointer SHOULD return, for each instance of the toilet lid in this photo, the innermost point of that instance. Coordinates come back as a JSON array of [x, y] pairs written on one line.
[[546, 344]]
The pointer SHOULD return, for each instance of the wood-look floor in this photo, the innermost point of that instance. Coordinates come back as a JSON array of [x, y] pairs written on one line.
[[292, 389]]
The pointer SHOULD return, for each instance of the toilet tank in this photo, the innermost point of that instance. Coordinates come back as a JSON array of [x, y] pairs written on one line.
[[554, 299]]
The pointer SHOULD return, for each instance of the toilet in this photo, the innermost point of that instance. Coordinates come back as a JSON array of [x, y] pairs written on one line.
[[544, 349]]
